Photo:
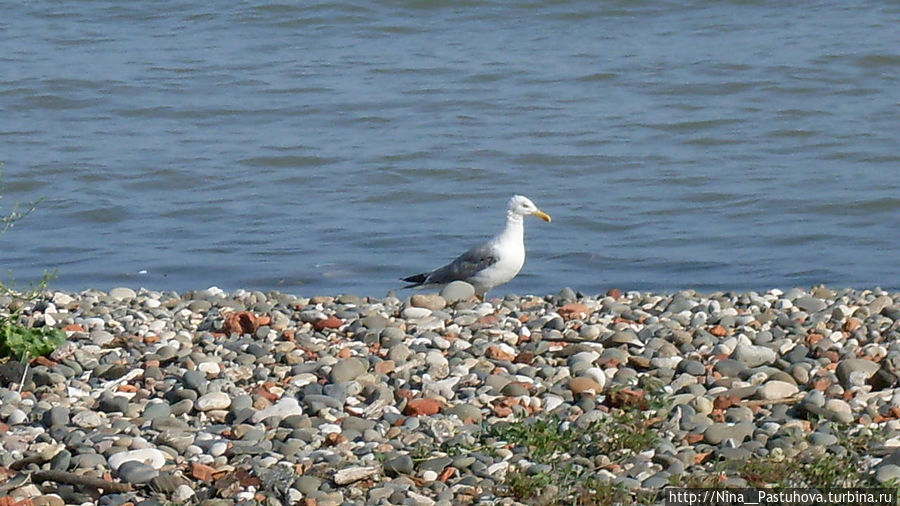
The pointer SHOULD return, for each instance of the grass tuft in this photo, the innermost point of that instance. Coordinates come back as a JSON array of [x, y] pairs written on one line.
[[571, 454]]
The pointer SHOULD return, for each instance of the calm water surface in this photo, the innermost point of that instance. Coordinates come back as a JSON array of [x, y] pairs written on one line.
[[334, 147]]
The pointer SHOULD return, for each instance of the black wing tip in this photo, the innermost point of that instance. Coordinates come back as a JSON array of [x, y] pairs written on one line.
[[418, 279]]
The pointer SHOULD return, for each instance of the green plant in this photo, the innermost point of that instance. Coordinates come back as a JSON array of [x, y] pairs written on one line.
[[841, 467], [542, 437], [18, 341], [24, 342], [21, 342], [526, 487], [568, 452], [595, 492]]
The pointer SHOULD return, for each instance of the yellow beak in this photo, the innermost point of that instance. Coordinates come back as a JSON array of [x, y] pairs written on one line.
[[542, 215]]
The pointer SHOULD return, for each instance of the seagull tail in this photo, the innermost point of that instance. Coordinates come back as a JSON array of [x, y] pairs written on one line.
[[417, 280]]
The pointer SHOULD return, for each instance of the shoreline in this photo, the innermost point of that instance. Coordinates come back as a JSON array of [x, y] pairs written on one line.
[[221, 398]]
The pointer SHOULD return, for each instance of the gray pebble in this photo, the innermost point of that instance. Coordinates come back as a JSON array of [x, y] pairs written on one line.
[[136, 472], [57, 416], [402, 464], [347, 370]]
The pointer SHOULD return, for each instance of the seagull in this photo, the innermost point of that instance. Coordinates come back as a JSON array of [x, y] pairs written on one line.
[[490, 264]]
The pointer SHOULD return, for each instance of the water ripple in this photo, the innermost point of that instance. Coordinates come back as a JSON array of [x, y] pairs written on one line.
[[338, 145]]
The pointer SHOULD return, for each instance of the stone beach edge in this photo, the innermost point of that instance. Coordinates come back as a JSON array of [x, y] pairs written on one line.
[[244, 397]]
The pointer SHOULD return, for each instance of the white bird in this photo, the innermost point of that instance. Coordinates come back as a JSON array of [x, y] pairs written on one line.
[[490, 264]]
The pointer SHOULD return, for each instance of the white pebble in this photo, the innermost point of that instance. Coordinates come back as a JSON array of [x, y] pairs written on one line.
[[218, 449], [301, 380], [182, 493], [702, 405], [62, 299], [330, 428], [87, 419], [441, 343], [776, 389], [150, 456], [285, 407], [552, 402], [415, 313], [16, 417], [192, 451], [209, 368], [294, 496], [596, 374], [584, 356], [213, 401], [353, 474], [498, 469], [92, 322], [420, 500]]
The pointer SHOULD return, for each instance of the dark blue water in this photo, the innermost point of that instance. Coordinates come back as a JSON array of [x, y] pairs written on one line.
[[338, 146]]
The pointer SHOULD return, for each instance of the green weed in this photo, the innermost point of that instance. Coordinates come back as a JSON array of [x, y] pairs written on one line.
[[568, 451], [17, 341]]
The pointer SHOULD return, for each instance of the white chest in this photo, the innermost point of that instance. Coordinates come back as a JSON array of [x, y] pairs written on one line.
[[505, 269]]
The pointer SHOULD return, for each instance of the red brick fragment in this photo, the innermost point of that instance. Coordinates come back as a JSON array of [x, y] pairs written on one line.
[[202, 472], [332, 322], [241, 322], [497, 353], [574, 310], [423, 407]]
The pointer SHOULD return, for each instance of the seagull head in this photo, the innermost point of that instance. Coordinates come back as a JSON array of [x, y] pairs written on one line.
[[523, 206]]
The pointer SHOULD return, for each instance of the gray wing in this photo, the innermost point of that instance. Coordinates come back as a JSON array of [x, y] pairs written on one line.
[[466, 265]]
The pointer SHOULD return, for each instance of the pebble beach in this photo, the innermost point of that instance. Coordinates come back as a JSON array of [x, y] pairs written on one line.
[[417, 398]]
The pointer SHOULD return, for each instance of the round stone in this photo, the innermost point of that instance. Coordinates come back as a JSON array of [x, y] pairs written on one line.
[[150, 456], [887, 473], [308, 485], [839, 410], [62, 299], [347, 370], [57, 416], [158, 409], [399, 465], [213, 401], [720, 431], [584, 384], [416, 313], [466, 412], [822, 439], [856, 371], [195, 380], [122, 293], [284, 408], [692, 367], [182, 493], [136, 472], [775, 389], [457, 291], [432, 302], [753, 355], [514, 390], [114, 404], [810, 304], [87, 419]]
